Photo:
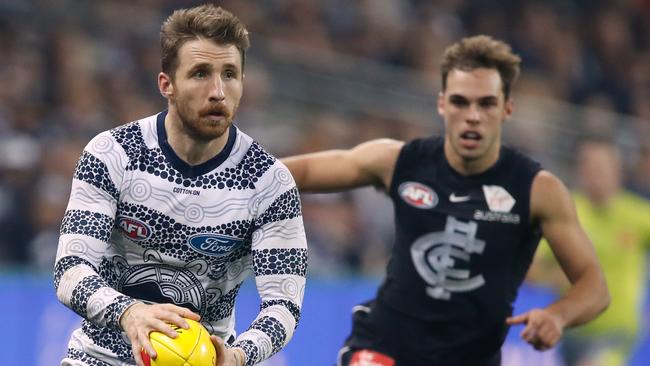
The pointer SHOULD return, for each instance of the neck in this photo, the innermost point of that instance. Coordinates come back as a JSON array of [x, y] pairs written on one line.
[[475, 166], [191, 150]]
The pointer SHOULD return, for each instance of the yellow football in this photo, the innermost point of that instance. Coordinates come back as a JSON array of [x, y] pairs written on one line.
[[192, 347]]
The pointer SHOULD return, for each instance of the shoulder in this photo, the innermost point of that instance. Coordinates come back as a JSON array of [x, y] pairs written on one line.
[[381, 144], [549, 195], [250, 155], [378, 149], [546, 181], [424, 145], [376, 157], [130, 137], [414, 152], [134, 129], [520, 160]]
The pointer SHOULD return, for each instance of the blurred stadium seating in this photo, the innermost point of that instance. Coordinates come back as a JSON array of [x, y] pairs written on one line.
[[320, 74]]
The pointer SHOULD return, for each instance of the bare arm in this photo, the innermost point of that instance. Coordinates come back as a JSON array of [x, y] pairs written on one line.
[[552, 206], [370, 163], [588, 295]]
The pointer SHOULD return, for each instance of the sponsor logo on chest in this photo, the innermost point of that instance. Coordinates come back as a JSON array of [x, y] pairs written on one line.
[[214, 244], [500, 203], [418, 195]]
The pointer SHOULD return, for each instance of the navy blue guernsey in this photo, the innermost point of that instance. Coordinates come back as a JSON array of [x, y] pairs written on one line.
[[463, 246]]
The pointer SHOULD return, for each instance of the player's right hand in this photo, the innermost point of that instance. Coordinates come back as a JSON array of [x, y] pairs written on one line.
[[227, 356], [543, 328], [141, 319]]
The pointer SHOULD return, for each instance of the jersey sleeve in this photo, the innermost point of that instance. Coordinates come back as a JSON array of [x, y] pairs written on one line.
[[279, 252], [85, 230]]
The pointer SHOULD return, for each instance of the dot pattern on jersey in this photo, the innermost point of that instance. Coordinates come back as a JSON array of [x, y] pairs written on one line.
[[82, 292], [171, 238], [252, 353], [285, 207], [273, 328], [66, 263], [224, 306], [280, 262], [94, 171], [293, 308], [108, 273], [88, 223], [115, 309], [244, 176], [84, 358], [108, 338]]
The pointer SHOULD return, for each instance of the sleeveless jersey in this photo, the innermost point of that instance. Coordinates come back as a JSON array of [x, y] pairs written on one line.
[[463, 246], [142, 224]]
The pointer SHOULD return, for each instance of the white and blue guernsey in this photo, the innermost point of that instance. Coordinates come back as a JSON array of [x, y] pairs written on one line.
[[143, 225]]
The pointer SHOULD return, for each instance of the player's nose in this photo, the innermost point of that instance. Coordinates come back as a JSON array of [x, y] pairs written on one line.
[[473, 116], [217, 91]]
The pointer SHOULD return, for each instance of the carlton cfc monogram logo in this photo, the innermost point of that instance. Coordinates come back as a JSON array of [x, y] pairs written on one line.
[[436, 257]]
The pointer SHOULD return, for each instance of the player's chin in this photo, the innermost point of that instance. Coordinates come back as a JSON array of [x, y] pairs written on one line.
[[471, 154], [211, 129]]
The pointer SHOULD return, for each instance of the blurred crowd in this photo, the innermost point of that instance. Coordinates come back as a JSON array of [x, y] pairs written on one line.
[[71, 69]]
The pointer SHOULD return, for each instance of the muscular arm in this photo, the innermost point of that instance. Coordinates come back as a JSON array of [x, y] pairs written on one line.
[[370, 163], [552, 206], [588, 296]]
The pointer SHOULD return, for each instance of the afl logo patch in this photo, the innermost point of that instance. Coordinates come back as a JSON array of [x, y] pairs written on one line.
[[418, 195], [134, 228], [214, 244]]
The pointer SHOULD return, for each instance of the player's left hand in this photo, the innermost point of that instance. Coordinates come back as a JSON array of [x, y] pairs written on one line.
[[227, 356], [543, 328]]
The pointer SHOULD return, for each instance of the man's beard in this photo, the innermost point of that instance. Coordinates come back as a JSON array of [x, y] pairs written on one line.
[[199, 126]]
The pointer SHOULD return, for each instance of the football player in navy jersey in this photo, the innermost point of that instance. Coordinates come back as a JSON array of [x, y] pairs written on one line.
[[170, 213], [469, 214]]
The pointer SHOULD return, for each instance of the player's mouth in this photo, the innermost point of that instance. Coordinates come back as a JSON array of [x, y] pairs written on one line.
[[470, 139], [217, 114]]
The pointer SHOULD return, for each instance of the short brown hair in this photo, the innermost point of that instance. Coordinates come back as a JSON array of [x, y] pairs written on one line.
[[205, 21], [482, 52]]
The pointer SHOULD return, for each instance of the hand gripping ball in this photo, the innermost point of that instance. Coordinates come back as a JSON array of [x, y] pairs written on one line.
[[192, 347]]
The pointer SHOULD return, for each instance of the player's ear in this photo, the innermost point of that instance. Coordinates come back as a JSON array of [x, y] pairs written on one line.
[[441, 103], [509, 107], [165, 85]]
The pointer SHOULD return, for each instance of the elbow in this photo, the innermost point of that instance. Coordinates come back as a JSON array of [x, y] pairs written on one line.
[[58, 290], [603, 297], [606, 298]]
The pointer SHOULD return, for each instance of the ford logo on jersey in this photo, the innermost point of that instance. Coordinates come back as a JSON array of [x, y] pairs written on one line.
[[418, 195], [134, 228], [214, 244]]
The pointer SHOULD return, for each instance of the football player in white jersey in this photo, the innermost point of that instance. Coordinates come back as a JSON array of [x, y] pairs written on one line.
[[169, 214]]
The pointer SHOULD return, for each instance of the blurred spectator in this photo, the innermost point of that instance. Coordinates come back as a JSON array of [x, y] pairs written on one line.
[[50, 197], [640, 176], [618, 223]]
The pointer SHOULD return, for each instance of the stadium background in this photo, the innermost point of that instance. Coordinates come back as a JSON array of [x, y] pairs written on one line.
[[320, 74]]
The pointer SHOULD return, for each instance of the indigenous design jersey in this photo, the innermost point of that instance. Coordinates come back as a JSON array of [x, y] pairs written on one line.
[[142, 224], [463, 246]]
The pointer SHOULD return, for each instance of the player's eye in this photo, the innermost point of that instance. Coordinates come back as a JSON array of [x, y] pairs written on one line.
[[459, 102], [488, 103], [230, 74], [199, 74]]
